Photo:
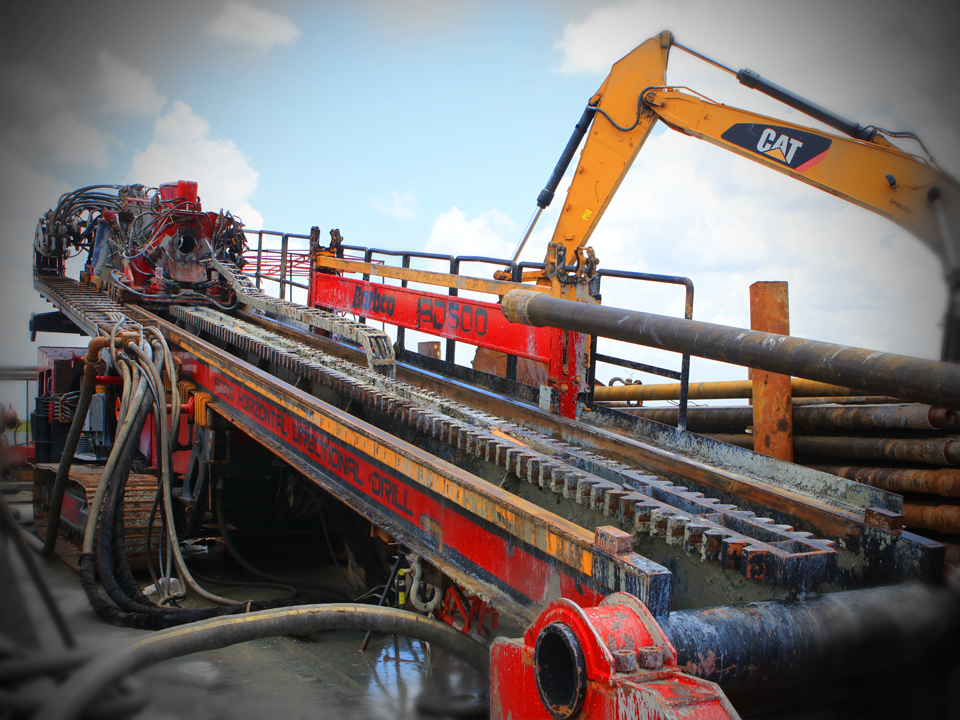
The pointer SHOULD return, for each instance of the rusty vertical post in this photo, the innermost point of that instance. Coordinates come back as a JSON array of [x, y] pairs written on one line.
[[772, 402]]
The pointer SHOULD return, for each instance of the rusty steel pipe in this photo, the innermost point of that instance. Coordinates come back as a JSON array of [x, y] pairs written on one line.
[[940, 518], [899, 416], [846, 400], [913, 379], [940, 481], [932, 451], [852, 417], [697, 418], [724, 390], [771, 644]]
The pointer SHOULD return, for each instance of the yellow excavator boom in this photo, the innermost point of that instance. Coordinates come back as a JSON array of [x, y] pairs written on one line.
[[865, 168]]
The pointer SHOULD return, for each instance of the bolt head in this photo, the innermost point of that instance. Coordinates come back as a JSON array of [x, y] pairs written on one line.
[[650, 657], [625, 661]]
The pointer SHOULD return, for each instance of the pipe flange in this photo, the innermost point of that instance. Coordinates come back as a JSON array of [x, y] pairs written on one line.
[[560, 670]]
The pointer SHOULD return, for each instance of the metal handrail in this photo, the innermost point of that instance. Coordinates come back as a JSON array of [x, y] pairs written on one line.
[[282, 279], [684, 376], [288, 270]]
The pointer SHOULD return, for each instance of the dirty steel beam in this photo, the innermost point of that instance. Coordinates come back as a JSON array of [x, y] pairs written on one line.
[[774, 643], [723, 390], [810, 500], [645, 505], [511, 552], [926, 381]]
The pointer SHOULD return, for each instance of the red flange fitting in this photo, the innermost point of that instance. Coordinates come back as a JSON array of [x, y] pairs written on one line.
[[601, 662]]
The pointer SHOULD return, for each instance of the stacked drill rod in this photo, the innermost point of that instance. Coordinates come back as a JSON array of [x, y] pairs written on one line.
[[909, 445], [908, 448]]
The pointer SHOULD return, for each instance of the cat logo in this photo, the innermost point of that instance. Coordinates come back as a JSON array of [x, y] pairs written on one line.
[[783, 149], [794, 148]]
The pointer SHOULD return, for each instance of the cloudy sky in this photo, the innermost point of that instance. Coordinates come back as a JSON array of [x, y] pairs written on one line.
[[433, 125]]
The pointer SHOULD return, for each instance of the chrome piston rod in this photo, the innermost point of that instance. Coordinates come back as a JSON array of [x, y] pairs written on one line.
[[914, 379]]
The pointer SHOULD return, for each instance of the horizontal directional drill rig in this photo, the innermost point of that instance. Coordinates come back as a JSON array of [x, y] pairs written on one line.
[[646, 571]]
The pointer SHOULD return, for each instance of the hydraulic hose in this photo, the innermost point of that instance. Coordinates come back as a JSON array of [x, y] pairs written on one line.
[[108, 526], [116, 577], [63, 470], [123, 432], [89, 682], [121, 564], [87, 384], [172, 375], [119, 464], [182, 569]]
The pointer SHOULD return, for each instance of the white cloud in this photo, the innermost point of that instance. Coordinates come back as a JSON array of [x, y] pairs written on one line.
[[124, 89], [399, 205], [491, 233], [242, 24], [688, 208], [182, 149], [622, 28], [847, 63]]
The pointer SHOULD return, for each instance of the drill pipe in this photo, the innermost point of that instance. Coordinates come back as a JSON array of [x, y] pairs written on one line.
[[727, 389], [773, 643], [912, 379], [941, 518], [846, 400], [932, 451], [852, 417], [940, 481]]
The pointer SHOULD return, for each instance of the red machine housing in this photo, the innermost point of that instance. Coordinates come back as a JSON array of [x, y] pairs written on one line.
[[608, 661]]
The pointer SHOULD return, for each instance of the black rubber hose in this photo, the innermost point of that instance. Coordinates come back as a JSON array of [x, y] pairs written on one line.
[[133, 614], [116, 575], [19, 538], [113, 615], [119, 704], [106, 544], [63, 470], [89, 682], [122, 570], [36, 664]]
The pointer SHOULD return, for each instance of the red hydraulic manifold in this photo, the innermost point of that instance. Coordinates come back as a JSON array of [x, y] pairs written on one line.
[[608, 661]]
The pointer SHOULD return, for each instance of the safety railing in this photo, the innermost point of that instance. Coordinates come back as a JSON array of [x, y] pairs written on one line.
[[285, 267], [683, 375], [454, 263], [280, 265]]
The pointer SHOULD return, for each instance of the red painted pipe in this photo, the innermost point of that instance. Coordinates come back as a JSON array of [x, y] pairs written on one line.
[[186, 407]]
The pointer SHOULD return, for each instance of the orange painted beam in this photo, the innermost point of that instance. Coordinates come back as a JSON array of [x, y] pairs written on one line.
[[772, 402]]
